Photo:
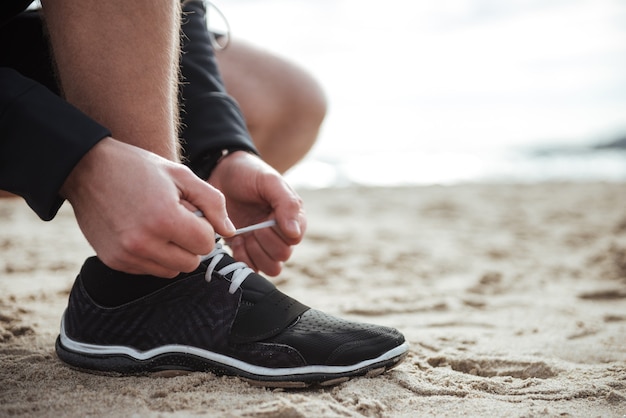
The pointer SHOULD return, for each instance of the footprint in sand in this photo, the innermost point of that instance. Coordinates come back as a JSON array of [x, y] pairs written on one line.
[[9, 330], [605, 294], [490, 283], [10, 326], [489, 367]]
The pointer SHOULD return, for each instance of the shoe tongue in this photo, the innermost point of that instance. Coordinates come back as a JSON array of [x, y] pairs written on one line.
[[254, 287]]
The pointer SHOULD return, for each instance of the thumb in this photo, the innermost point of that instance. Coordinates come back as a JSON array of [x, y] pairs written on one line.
[[289, 211]]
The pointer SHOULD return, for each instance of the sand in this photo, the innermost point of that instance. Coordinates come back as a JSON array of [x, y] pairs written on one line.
[[513, 298]]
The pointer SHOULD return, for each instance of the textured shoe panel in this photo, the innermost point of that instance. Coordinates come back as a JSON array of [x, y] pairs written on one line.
[[190, 312], [325, 339]]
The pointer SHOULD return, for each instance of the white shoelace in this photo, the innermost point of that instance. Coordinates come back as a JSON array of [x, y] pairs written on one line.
[[240, 270]]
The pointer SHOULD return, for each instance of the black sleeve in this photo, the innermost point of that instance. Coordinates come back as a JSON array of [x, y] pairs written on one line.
[[211, 120], [10, 8], [42, 138]]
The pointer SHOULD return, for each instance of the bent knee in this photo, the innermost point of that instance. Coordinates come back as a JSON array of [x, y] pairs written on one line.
[[300, 94], [275, 89]]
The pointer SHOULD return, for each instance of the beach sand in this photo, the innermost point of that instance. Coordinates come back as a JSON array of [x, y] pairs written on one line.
[[513, 298]]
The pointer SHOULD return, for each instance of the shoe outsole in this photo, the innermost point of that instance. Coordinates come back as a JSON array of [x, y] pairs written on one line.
[[168, 364], [291, 384]]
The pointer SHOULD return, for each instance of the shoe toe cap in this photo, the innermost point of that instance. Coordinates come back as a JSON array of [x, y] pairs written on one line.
[[323, 339]]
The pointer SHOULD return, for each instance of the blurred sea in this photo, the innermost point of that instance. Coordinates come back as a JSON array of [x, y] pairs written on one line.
[[439, 92]]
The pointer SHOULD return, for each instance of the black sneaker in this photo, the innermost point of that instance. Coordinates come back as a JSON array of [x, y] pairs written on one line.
[[226, 319]]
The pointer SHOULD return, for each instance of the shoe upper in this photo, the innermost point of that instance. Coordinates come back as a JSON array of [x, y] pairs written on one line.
[[257, 323]]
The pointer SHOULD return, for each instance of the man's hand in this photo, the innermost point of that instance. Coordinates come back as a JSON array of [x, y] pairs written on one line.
[[255, 192], [136, 209]]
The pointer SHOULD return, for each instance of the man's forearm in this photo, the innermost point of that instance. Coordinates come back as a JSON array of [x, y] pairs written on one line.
[[117, 61]]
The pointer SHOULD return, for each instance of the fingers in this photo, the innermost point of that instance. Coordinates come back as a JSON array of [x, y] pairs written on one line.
[[288, 209], [271, 243], [153, 250], [173, 261], [206, 199], [263, 250], [190, 233]]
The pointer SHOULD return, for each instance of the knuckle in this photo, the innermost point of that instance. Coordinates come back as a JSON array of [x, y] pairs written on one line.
[[283, 253], [191, 264], [133, 242], [295, 202], [272, 269], [162, 221], [207, 246], [181, 170], [218, 199]]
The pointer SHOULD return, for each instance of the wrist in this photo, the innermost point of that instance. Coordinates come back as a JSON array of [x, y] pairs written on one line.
[[214, 158], [71, 185]]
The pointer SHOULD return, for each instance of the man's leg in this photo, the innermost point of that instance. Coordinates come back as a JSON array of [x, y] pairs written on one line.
[[283, 105], [118, 62]]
